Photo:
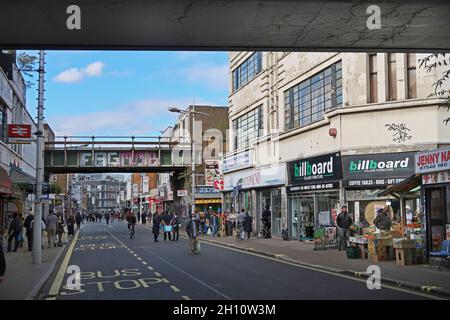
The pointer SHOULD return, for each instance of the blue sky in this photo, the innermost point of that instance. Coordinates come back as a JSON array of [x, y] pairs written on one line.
[[126, 92]]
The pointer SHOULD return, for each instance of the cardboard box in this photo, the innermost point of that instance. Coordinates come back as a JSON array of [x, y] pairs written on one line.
[[404, 244]]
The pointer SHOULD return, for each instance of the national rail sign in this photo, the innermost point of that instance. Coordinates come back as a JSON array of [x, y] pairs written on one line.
[[19, 133]]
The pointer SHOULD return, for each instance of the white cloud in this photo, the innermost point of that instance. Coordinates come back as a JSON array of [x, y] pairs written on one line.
[[142, 117], [74, 75]]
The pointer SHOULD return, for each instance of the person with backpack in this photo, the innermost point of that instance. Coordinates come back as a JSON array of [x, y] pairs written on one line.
[[28, 224], [344, 221], [14, 230]]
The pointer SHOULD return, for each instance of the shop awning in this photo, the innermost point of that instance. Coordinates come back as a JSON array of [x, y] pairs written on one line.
[[5, 183], [403, 187], [20, 177], [207, 201]]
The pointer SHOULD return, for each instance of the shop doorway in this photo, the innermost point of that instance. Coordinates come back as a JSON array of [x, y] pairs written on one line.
[[437, 219], [270, 198]]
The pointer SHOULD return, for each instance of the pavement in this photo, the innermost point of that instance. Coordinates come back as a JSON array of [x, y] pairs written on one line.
[[113, 266], [417, 277], [23, 279]]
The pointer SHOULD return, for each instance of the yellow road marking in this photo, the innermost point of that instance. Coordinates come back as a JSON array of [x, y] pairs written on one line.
[[186, 298], [54, 290], [175, 289], [157, 274]]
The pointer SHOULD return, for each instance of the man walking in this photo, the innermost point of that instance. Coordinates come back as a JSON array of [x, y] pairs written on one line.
[[167, 218], [51, 223], [28, 224], [248, 225], [266, 222], [344, 221], [156, 226], [15, 227], [175, 228], [107, 216], [192, 232]]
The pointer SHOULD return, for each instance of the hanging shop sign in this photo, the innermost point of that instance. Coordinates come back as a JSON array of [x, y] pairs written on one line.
[[373, 170], [433, 161], [256, 178], [212, 171], [218, 184], [317, 170], [237, 161], [182, 193]]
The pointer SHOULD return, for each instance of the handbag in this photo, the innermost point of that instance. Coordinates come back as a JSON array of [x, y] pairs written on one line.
[[167, 228]]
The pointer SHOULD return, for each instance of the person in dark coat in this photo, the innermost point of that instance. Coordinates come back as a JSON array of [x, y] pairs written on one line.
[[28, 224], [248, 225], [144, 218], [167, 218], [71, 225], [14, 230], [344, 221], [175, 228], [383, 221], [156, 225], [2, 263], [78, 220]]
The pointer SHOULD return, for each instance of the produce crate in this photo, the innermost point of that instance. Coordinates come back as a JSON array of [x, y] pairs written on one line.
[[405, 256], [353, 252], [404, 244]]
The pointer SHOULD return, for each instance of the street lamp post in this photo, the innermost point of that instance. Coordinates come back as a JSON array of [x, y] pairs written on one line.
[[191, 115]]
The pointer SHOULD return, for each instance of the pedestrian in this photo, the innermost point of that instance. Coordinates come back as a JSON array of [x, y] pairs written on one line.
[[156, 226], [71, 225], [28, 224], [60, 228], [43, 228], [175, 228], [144, 217], [192, 232], [202, 223], [248, 225], [107, 216], [266, 222], [100, 216], [214, 224], [20, 234], [344, 221], [78, 220], [2, 262], [51, 223], [383, 221], [167, 218], [14, 230]]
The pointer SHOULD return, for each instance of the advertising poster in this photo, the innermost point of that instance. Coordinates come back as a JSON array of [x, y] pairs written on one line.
[[212, 171], [139, 158], [125, 159], [152, 159]]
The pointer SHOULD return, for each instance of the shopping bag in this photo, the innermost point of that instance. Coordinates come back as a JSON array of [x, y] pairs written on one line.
[[167, 228]]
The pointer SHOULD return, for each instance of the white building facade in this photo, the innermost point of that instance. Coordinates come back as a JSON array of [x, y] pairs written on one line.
[[308, 130]]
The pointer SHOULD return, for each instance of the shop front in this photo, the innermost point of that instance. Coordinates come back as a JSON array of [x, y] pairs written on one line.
[[434, 167], [253, 191], [367, 176], [208, 199], [313, 194]]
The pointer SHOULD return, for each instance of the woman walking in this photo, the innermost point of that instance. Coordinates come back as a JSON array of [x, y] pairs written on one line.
[[71, 225]]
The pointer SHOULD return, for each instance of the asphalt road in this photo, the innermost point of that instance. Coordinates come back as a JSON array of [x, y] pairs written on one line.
[[115, 267]]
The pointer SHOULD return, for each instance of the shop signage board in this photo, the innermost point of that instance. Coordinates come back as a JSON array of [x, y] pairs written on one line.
[[373, 170], [182, 193], [237, 161], [256, 178], [315, 170], [433, 161], [317, 186], [206, 190], [436, 177], [19, 133]]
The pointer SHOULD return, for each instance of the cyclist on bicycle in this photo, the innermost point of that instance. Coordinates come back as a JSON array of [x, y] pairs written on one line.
[[131, 218]]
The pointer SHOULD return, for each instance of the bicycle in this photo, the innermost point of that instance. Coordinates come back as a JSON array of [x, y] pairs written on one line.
[[131, 230]]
